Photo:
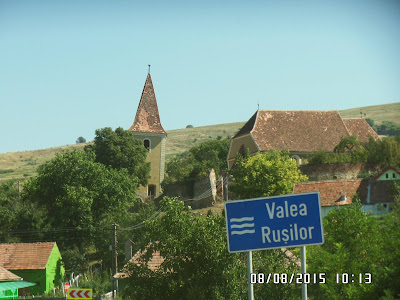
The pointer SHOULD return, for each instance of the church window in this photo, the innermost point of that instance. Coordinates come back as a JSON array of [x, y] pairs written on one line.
[[146, 144]]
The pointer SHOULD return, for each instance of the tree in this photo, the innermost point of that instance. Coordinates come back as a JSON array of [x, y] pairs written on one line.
[[197, 263], [384, 151], [197, 162], [356, 243], [74, 191], [265, 174], [80, 140], [370, 122], [348, 143], [119, 150]]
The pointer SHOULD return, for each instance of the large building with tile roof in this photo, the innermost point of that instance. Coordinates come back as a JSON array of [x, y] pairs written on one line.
[[148, 129], [299, 132]]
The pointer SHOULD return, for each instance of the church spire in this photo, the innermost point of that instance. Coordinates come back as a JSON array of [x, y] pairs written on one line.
[[147, 118]]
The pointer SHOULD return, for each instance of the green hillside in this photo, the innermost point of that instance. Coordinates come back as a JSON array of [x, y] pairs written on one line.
[[23, 164], [378, 113]]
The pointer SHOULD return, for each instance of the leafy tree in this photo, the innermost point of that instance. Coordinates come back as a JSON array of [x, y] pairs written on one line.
[[10, 210], [356, 243], [189, 126], [74, 191], [348, 143], [197, 263], [80, 140], [119, 150], [265, 174], [370, 122], [385, 151], [388, 128], [198, 161]]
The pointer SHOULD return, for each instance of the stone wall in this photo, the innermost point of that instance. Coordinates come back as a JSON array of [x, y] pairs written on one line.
[[339, 171], [202, 193]]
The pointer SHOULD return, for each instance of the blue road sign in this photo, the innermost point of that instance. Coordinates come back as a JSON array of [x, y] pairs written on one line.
[[274, 222]]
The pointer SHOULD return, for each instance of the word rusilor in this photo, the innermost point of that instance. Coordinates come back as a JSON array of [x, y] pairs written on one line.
[[293, 232]]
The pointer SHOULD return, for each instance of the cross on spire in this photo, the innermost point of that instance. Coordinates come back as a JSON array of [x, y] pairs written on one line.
[[149, 69]]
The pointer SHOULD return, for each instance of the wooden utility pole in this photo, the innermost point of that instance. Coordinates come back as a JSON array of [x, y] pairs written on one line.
[[114, 260]]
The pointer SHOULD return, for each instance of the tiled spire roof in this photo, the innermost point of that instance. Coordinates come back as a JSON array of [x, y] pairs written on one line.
[[147, 117]]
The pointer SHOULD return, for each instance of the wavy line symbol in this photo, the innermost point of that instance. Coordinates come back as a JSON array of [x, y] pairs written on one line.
[[242, 226]]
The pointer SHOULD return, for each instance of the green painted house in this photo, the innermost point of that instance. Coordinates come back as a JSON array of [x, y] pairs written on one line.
[[10, 283], [39, 263]]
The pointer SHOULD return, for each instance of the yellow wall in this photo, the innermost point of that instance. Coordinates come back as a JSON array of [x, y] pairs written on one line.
[[156, 157], [246, 140]]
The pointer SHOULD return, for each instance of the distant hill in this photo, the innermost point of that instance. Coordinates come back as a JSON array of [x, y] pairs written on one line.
[[378, 113], [23, 164]]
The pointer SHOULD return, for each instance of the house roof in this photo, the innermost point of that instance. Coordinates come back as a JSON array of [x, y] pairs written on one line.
[[153, 264], [331, 191], [384, 171], [361, 129], [381, 191], [6, 275], [298, 131], [25, 256], [147, 118]]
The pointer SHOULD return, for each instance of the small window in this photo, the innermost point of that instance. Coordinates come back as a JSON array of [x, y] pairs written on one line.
[[394, 175], [146, 144], [387, 175]]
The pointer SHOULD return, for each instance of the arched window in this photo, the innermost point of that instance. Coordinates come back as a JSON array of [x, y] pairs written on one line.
[[147, 144], [297, 158]]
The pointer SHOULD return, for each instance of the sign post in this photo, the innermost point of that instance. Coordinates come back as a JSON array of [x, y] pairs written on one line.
[[250, 292], [274, 222]]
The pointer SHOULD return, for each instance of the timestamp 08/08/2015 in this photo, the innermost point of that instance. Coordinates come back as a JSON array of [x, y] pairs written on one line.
[[308, 278]]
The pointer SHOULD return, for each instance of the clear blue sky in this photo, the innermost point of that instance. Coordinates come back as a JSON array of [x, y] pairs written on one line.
[[69, 67]]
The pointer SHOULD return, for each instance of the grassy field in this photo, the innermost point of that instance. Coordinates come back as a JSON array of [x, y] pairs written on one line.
[[22, 165], [378, 113]]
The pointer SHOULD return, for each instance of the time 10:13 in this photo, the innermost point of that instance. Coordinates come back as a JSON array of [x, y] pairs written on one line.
[[346, 278]]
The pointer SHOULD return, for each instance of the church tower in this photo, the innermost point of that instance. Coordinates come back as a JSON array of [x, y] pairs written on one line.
[[148, 129]]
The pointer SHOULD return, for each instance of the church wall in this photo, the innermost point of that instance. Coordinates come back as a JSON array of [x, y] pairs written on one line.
[[236, 144], [157, 150]]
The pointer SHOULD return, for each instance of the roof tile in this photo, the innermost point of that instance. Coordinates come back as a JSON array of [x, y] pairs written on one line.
[[25, 256], [147, 118], [298, 131]]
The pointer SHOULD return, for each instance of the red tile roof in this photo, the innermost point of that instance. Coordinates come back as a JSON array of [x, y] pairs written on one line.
[[361, 129], [147, 118], [153, 264], [298, 131], [25, 256], [331, 191], [303, 131], [381, 191], [6, 275]]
